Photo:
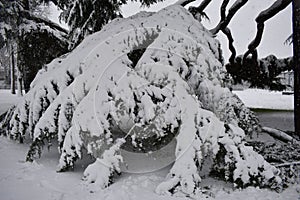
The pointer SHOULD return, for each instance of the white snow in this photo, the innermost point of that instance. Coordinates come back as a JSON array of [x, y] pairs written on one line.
[[252, 98], [265, 99], [96, 82], [38, 180]]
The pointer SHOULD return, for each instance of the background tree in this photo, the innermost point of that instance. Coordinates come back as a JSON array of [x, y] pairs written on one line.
[[85, 17], [263, 16], [28, 38], [296, 46]]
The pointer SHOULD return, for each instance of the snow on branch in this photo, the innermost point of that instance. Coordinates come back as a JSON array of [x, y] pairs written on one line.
[[37, 19], [263, 16], [288, 164], [133, 73]]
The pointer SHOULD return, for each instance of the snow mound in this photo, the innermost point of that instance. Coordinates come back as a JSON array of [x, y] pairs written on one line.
[[138, 84]]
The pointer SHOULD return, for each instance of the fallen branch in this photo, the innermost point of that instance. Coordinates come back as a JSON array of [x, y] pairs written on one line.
[[279, 135], [288, 164]]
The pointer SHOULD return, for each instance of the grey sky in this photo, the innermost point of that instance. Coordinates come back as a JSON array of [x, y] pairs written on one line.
[[243, 26]]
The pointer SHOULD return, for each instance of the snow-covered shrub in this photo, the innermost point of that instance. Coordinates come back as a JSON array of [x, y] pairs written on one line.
[[147, 79]]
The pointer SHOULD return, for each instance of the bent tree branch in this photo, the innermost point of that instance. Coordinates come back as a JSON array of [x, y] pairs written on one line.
[[232, 11], [225, 20], [265, 15], [228, 34]]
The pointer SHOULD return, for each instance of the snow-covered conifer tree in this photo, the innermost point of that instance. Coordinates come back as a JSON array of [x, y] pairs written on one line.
[[153, 77]]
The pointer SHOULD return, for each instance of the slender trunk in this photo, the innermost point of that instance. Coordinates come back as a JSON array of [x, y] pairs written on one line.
[[19, 78], [12, 71], [19, 83], [296, 48]]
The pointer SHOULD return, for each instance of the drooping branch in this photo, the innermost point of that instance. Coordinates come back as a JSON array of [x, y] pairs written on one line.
[[265, 15], [27, 15]]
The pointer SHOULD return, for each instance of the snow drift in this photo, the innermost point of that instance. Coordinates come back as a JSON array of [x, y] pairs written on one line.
[[152, 77]]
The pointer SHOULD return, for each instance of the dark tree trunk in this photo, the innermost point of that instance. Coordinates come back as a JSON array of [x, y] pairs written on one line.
[[12, 72], [296, 47]]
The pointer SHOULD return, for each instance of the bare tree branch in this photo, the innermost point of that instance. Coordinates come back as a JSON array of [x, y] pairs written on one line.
[[223, 10], [198, 12], [234, 8], [183, 2], [263, 16], [203, 5], [224, 21], [228, 34]]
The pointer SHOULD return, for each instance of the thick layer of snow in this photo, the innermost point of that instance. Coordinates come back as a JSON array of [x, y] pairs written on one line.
[[38, 180], [264, 99], [253, 98], [7, 100]]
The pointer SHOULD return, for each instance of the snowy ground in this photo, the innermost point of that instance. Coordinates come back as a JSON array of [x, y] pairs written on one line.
[[38, 180], [264, 99]]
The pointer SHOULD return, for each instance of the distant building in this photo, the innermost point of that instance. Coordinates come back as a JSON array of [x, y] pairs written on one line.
[[287, 78]]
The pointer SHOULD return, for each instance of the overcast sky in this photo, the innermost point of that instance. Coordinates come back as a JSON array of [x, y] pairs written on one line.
[[243, 26]]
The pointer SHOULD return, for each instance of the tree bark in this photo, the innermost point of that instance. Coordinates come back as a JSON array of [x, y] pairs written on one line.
[[296, 49], [19, 83], [12, 72]]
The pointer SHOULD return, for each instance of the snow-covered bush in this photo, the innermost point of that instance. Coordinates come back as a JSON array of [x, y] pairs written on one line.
[[150, 78]]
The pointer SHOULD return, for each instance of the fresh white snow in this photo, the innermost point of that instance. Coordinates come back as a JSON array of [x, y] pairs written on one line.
[[265, 99], [252, 98], [71, 84], [38, 180]]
